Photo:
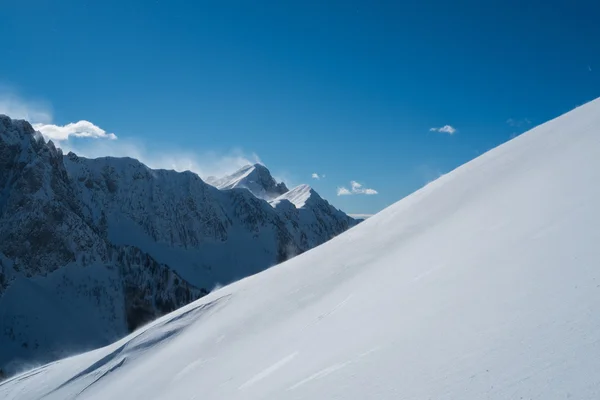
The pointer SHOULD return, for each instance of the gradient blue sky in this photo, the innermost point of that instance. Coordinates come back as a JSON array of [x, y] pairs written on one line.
[[349, 89]]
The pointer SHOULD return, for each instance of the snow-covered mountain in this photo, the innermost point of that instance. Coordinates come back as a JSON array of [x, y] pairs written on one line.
[[109, 243], [256, 178], [207, 235], [63, 286], [482, 285]]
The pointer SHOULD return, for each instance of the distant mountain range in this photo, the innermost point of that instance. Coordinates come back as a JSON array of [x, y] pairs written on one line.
[[90, 249]]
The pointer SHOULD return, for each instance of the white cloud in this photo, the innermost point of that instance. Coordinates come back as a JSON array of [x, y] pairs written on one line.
[[444, 129], [355, 188], [315, 176], [342, 191], [76, 129]]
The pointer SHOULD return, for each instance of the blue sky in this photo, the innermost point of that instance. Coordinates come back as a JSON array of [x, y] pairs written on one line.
[[348, 89]]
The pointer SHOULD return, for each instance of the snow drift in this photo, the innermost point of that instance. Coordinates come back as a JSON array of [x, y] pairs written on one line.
[[482, 285]]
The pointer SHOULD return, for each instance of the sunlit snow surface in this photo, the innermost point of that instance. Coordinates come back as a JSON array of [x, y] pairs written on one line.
[[485, 284]]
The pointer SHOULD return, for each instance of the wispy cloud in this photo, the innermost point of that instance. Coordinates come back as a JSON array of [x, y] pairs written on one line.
[[517, 123], [342, 191], [355, 188], [449, 129], [315, 176]]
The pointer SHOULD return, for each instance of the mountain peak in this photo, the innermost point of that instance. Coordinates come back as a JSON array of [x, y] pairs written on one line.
[[256, 178], [16, 130]]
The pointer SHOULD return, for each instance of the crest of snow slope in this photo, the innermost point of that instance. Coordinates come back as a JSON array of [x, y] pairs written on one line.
[[482, 285], [256, 178]]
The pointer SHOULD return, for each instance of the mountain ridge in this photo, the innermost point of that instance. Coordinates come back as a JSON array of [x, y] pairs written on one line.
[[146, 241]]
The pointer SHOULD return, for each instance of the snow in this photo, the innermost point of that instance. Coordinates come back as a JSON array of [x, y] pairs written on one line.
[[256, 178], [482, 285], [298, 196]]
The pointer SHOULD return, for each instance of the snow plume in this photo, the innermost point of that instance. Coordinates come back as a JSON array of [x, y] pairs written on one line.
[[204, 163], [449, 129], [216, 287], [355, 188]]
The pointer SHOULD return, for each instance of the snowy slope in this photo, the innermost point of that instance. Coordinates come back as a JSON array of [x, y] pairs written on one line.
[[482, 285], [256, 178]]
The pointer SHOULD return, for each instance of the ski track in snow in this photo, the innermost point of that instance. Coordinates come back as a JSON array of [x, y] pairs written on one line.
[[268, 371], [321, 374], [190, 368], [330, 370], [335, 308]]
